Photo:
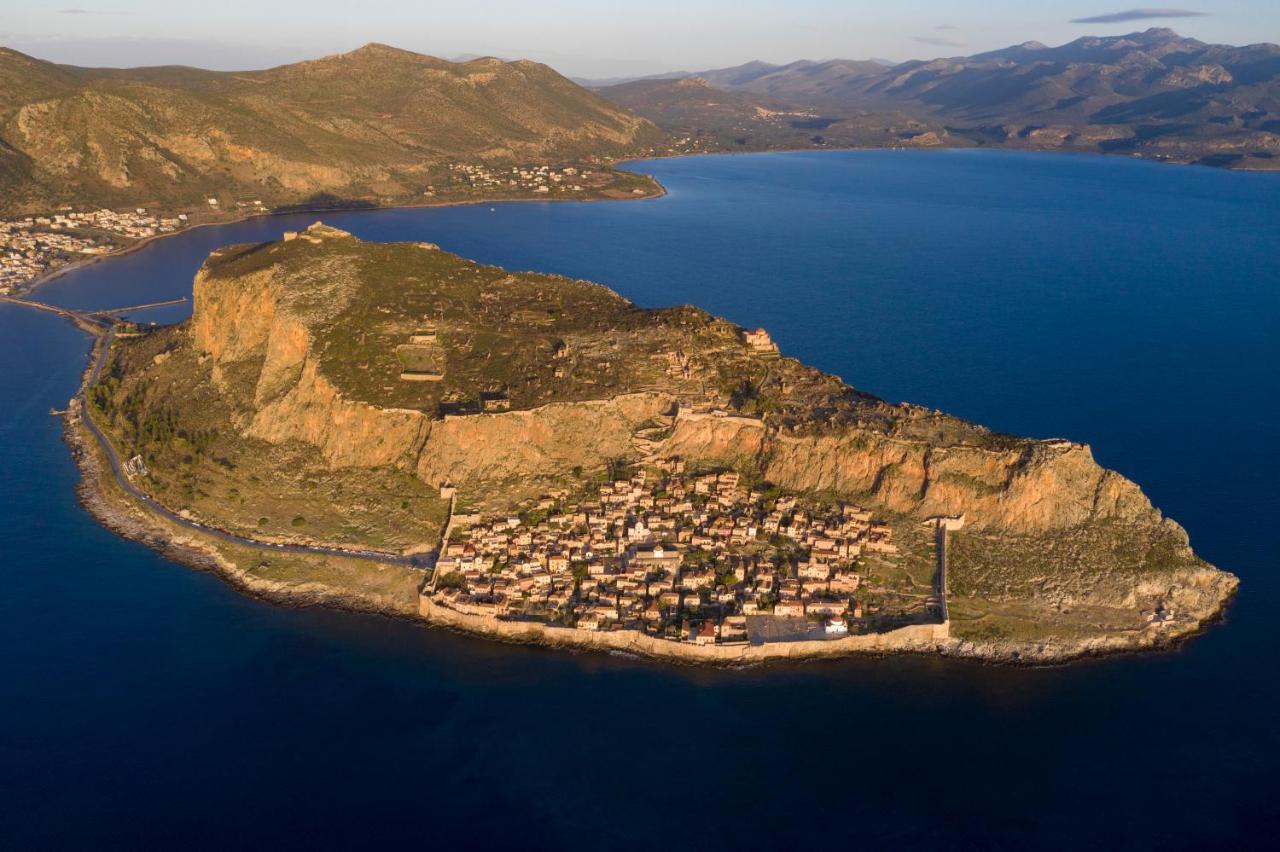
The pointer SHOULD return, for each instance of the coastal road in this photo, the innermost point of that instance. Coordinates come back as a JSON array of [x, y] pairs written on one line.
[[941, 533], [106, 333]]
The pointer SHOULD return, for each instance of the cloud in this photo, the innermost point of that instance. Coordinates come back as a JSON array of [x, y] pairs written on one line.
[[938, 42], [90, 12], [1137, 15]]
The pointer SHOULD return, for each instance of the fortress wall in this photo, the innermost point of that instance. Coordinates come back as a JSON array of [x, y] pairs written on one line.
[[921, 637]]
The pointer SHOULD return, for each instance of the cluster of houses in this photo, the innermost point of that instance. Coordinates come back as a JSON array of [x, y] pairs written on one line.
[[34, 245], [539, 179], [686, 557]]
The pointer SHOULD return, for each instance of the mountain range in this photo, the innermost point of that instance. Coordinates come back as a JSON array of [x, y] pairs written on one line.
[[383, 125], [1152, 93]]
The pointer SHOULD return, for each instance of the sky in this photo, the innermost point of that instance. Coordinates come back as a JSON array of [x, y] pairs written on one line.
[[593, 38]]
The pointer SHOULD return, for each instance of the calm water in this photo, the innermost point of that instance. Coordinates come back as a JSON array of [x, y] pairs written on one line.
[[1124, 304]]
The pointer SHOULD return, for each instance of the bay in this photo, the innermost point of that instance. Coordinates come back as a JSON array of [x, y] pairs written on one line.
[[1128, 305]]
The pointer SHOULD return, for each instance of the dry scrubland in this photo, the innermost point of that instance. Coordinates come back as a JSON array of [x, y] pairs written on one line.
[[374, 125]]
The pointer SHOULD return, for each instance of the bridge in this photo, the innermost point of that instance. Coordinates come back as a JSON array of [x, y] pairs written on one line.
[[101, 325], [93, 321]]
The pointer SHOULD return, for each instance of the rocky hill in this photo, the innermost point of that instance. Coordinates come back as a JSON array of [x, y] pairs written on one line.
[[376, 123], [337, 383], [1152, 93]]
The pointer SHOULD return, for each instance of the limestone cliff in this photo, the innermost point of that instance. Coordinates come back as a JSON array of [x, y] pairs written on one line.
[[536, 379]]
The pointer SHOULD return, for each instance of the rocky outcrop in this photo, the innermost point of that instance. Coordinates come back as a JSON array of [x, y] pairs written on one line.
[[1045, 525], [258, 336], [1043, 485], [302, 342], [543, 442]]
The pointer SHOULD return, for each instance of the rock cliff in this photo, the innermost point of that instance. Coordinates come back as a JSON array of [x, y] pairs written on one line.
[[543, 380]]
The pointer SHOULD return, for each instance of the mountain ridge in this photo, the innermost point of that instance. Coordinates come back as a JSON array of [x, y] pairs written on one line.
[[374, 123], [1151, 93]]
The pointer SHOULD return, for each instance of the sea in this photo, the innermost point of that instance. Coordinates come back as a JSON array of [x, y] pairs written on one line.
[[1129, 305]]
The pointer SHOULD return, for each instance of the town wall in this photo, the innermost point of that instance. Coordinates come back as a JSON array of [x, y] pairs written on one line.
[[922, 637]]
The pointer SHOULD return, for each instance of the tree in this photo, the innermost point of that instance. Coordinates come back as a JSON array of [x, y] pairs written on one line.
[[452, 580]]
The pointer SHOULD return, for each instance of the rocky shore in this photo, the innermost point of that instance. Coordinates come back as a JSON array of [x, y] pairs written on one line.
[[1059, 558], [103, 499]]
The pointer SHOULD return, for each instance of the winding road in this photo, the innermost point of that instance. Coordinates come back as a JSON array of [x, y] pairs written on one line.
[[98, 324]]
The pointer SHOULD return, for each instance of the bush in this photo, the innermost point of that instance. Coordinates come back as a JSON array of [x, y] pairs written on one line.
[[452, 580], [299, 521]]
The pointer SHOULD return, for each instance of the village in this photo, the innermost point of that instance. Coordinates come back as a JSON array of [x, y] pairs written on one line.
[[698, 558], [36, 245], [539, 179]]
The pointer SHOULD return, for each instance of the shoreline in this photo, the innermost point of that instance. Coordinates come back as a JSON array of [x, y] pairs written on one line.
[[660, 192], [992, 148], [110, 506], [54, 274]]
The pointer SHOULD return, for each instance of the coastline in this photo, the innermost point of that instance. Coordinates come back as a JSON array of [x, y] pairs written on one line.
[[660, 191], [117, 511], [1079, 152], [54, 274], [108, 504]]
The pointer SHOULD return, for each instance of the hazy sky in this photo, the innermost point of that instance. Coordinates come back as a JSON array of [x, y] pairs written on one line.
[[592, 37]]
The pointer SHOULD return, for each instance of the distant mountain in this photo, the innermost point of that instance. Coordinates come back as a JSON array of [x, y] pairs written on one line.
[[1154, 75], [1153, 93], [804, 81], [754, 76], [375, 122], [702, 117]]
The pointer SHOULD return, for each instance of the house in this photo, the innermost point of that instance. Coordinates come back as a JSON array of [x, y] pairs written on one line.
[[495, 401], [837, 607], [836, 627], [734, 629], [816, 571], [703, 633], [697, 578], [653, 613], [789, 609]]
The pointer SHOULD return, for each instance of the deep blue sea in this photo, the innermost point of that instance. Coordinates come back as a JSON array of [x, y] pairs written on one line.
[[1128, 305]]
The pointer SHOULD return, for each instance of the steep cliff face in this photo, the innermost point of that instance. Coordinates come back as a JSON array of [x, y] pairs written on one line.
[[259, 330], [1044, 485], [258, 334], [486, 449], [298, 348]]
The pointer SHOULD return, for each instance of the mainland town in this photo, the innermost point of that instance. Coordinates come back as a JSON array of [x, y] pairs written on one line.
[[34, 246], [700, 558]]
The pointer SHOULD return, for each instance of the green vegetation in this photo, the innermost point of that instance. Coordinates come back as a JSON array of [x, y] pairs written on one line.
[[1097, 561], [171, 415]]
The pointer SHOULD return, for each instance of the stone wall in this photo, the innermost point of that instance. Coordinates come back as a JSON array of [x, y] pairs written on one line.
[[919, 637]]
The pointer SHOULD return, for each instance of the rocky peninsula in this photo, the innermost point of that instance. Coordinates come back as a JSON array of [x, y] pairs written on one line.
[[394, 428]]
